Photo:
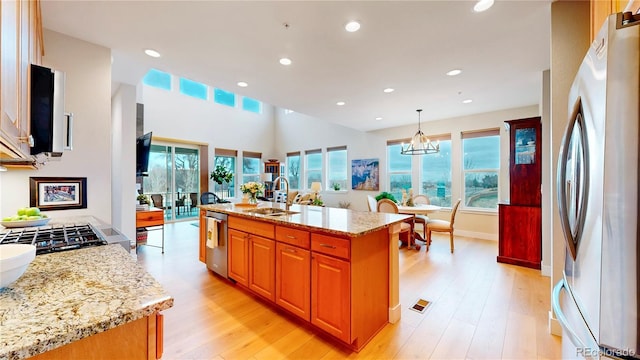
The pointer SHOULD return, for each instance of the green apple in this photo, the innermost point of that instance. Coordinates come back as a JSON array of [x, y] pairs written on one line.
[[34, 217], [32, 211], [22, 211], [8, 218], [15, 218]]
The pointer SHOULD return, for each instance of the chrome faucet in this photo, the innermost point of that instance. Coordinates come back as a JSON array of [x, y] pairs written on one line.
[[286, 182]]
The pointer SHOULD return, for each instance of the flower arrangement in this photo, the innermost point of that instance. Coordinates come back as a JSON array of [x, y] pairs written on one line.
[[252, 188]]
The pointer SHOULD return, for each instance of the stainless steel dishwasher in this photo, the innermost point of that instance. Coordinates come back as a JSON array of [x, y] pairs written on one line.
[[216, 243]]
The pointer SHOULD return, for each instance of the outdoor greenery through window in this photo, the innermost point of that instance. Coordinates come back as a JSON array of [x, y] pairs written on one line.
[[336, 168], [157, 78], [174, 175], [293, 170], [481, 166], [435, 175], [399, 172], [250, 167], [313, 167], [224, 158]]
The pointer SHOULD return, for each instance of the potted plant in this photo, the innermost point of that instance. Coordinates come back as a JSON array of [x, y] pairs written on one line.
[[143, 199], [336, 186], [221, 175], [386, 195]]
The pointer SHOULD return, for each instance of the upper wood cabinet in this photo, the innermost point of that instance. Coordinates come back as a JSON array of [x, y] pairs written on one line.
[[600, 9], [525, 162], [21, 44]]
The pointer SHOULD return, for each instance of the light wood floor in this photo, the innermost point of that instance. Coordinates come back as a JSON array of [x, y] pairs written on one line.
[[480, 309]]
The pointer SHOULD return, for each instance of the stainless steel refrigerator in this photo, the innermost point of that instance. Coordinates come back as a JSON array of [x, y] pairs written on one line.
[[596, 302]]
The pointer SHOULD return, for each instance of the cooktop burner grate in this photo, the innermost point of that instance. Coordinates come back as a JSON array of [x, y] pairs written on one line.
[[54, 238]]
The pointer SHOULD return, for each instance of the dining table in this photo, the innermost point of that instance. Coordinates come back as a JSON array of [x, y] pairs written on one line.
[[417, 209]]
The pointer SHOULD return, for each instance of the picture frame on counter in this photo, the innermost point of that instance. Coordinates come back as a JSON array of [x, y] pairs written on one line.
[[58, 193]]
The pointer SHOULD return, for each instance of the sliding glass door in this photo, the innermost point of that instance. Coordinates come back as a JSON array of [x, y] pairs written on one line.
[[174, 180]]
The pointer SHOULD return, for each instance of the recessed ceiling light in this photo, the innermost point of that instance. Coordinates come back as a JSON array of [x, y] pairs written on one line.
[[285, 61], [152, 53], [467, 101], [242, 84], [454, 72], [352, 26], [482, 5], [340, 103], [389, 90], [378, 118]]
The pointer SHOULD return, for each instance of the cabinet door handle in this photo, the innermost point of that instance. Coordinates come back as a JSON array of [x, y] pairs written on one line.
[[328, 246], [291, 237], [291, 250]]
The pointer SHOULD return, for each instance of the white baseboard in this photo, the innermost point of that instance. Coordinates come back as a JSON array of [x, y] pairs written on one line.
[[554, 325], [477, 235], [395, 313], [545, 270]]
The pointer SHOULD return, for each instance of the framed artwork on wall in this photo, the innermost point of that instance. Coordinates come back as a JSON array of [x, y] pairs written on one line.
[[58, 193], [365, 174]]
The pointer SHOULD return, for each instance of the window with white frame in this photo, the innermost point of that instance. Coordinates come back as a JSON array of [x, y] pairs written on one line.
[[293, 169], [337, 168], [399, 169], [251, 166], [226, 158], [435, 173], [481, 169], [312, 167]]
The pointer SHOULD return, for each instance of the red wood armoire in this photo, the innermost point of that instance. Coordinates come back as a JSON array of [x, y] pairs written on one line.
[[520, 220]]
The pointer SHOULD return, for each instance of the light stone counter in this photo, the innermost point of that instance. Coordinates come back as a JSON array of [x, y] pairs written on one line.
[[330, 220], [67, 296]]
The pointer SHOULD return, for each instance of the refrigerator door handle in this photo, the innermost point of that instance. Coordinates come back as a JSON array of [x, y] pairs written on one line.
[[562, 319]]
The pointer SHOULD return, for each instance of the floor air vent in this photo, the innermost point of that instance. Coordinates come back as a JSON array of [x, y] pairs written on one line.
[[420, 305]]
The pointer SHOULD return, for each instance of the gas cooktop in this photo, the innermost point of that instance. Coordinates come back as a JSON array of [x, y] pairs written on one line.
[[48, 239]]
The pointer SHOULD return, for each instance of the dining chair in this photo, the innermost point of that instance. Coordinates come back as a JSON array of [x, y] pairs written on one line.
[[194, 201], [422, 219], [157, 201], [443, 225], [388, 206], [372, 203], [209, 198]]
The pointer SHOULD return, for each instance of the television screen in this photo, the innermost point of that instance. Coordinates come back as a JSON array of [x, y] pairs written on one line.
[[143, 148]]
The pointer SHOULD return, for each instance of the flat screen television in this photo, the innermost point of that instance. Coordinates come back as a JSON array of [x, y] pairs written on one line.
[[143, 148]]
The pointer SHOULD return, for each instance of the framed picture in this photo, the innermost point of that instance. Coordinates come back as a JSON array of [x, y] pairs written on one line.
[[365, 174], [56, 193]]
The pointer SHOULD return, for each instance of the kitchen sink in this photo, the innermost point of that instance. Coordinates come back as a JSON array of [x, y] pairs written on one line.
[[271, 211]]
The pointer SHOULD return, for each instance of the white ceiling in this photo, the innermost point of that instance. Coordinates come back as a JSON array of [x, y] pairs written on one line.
[[408, 46]]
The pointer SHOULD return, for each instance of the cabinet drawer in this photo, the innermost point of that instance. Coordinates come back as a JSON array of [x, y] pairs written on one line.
[[149, 218], [292, 236], [251, 226], [330, 245]]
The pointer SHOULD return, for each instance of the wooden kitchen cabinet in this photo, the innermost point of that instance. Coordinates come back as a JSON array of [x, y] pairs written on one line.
[[520, 235], [21, 44], [149, 220], [141, 339], [262, 266], [293, 279], [238, 266], [331, 295]]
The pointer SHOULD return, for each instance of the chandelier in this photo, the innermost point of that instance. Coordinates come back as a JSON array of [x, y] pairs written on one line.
[[420, 143]]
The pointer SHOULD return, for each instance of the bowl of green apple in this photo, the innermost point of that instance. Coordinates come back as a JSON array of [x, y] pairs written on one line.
[[25, 217]]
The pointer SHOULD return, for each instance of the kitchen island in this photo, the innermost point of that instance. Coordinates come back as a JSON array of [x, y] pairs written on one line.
[[95, 302], [335, 269]]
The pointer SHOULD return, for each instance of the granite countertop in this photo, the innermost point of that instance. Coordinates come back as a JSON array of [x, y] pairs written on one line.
[[331, 220], [67, 296]]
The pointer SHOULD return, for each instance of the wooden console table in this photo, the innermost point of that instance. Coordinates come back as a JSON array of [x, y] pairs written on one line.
[[148, 220]]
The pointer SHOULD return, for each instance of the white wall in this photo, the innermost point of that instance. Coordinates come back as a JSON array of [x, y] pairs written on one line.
[[88, 96], [169, 114], [123, 184]]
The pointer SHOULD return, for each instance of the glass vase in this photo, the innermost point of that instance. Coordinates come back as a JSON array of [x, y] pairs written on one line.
[[253, 198]]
